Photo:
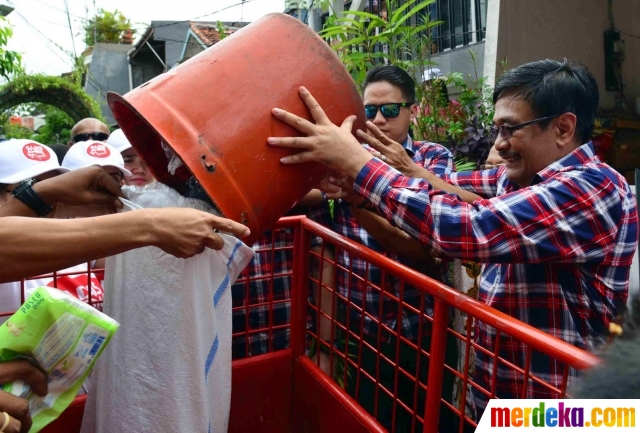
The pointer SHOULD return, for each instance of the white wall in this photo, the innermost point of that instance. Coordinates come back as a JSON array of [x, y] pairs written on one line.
[[530, 30]]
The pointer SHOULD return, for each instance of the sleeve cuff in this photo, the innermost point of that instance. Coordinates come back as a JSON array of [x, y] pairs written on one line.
[[374, 179]]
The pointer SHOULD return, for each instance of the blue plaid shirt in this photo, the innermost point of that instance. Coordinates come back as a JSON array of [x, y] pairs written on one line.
[[253, 292], [558, 252], [436, 159]]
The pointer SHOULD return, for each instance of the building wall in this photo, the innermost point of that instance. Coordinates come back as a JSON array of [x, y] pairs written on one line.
[[108, 72], [533, 30], [145, 67], [193, 47], [459, 60], [173, 33]]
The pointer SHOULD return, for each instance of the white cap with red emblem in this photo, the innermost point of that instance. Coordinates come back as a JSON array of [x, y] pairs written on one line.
[[118, 140], [87, 153], [22, 159]]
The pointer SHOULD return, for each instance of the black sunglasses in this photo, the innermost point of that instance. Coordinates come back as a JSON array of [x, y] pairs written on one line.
[[86, 136], [506, 132], [389, 111]]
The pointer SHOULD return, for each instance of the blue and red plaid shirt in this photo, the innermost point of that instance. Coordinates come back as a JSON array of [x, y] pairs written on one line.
[[253, 292], [436, 159], [558, 252]]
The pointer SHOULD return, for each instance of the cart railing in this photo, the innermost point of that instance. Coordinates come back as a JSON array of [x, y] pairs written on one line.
[[13, 294], [327, 338], [443, 354]]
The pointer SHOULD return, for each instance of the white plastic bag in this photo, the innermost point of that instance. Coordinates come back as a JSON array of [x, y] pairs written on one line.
[[169, 367], [159, 195], [174, 161]]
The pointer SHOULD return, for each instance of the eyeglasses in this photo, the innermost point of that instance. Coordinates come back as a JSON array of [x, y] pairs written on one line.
[[506, 132], [86, 136], [389, 111]]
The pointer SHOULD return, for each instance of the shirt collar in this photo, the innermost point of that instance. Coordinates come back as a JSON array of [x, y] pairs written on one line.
[[582, 155], [409, 146]]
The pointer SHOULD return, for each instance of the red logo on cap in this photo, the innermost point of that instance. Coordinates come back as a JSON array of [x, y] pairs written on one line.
[[98, 150], [35, 152]]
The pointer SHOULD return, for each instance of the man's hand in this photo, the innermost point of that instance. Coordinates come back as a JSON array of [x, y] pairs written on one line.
[[18, 408], [184, 232], [326, 143], [394, 154], [86, 186], [339, 186]]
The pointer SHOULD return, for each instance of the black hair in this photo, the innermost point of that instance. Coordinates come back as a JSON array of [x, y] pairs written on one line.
[[553, 88], [395, 76]]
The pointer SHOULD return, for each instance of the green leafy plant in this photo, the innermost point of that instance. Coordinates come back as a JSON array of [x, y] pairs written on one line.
[[26, 94], [439, 120], [57, 128], [12, 130], [107, 27], [10, 61], [47, 86], [221, 29], [463, 163], [363, 39], [463, 125]]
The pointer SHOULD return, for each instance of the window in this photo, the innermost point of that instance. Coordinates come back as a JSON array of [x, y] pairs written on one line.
[[464, 22]]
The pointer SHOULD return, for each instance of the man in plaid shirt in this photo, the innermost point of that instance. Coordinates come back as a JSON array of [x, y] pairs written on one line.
[[385, 84], [557, 227], [389, 98]]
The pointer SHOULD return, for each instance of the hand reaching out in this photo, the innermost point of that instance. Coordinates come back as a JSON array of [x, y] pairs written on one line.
[[391, 152], [328, 144]]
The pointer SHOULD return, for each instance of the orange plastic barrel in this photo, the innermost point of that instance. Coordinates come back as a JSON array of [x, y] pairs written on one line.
[[214, 112]]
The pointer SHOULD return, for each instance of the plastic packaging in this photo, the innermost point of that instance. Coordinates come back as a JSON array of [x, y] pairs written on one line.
[[63, 337], [174, 162], [158, 195]]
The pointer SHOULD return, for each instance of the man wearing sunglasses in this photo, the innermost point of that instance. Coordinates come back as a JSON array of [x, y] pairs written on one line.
[[89, 129], [389, 100], [556, 227]]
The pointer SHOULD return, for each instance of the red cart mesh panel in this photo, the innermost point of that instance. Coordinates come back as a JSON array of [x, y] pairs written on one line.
[[305, 362]]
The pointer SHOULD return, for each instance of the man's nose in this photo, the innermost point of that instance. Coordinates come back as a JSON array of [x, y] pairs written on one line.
[[501, 144], [379, 119]]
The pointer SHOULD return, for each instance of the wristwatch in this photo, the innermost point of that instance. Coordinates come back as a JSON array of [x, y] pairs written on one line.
[[27, 195]]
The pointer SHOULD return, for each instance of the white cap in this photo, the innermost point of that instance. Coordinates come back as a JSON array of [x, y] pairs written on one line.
[[88, 153], [118, 140], [22, 159], [431, 74]]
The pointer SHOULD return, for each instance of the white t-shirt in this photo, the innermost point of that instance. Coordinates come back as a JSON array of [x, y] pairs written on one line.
[[77, 284]]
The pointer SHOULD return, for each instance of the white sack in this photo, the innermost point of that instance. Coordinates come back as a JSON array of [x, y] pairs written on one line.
[[168, 369]]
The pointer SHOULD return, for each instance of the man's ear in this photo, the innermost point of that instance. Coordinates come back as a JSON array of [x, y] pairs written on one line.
[[414, 111], [565, 129]]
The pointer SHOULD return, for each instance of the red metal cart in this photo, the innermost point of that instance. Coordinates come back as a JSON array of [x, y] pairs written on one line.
[[287, 391]]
